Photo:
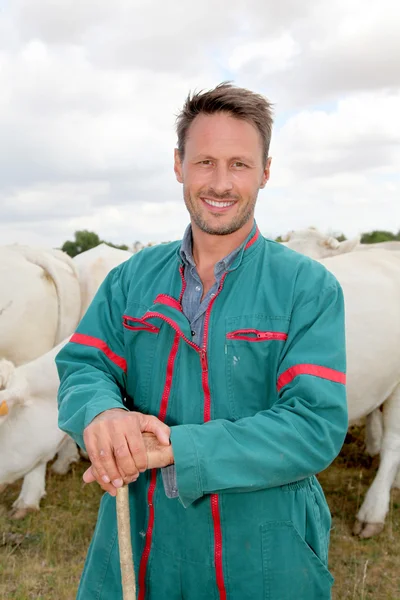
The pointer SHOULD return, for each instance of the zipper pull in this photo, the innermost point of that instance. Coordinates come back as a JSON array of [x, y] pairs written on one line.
[[203, 359], [264, 335]]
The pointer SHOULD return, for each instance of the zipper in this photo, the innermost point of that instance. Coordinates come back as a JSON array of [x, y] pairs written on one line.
[[204, 361], [153, 478], [182, 274], [255, 335], [138, 324], [214, 501]]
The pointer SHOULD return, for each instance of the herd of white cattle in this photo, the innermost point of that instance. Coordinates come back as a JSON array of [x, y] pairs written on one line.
[[44, 293]]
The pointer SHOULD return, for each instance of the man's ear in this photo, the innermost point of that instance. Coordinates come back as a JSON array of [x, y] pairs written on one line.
[[266, 173], [178, 166]]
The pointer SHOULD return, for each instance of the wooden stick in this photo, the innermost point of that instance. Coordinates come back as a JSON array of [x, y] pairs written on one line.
[[125, 545]]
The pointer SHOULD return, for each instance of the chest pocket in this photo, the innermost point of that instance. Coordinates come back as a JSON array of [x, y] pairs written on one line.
[[253, 345], [141, 341]]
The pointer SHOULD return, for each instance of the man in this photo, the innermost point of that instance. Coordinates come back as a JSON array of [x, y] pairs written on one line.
[[229, 348]]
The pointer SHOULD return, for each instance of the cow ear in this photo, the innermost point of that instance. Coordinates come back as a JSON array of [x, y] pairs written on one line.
[[348, 245], [330, 243], [6, 372]]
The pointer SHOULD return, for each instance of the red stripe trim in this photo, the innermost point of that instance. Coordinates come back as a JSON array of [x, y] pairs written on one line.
[[206, 386], [258, 336], [87, 340], [218, 546], [138, 325], [168, 379], [168, 301], [252, 240], [175, 326], [315, 370], [219, 571], [182, 274], [153, 480], [149, 534]]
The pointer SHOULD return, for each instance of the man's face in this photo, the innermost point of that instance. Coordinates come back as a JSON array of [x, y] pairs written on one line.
[[221, 172]]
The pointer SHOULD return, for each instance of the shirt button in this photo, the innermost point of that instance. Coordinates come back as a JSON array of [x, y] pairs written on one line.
[[193, 333], [198, 288], [212, 295]]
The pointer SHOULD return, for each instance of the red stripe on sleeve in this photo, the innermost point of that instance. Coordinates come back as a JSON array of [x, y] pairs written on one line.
[[316, 370], [88, 340]]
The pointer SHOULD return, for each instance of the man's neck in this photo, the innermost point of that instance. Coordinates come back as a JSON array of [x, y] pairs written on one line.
[[209, 249]]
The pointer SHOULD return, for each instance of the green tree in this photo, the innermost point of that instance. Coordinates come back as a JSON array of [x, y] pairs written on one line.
[[341, 237], [374, 237], [85, 240]]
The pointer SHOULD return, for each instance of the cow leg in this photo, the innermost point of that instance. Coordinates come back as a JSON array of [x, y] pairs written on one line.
[[371, 516], [374, 432], [396, 483], [66, 455], [32, 491]]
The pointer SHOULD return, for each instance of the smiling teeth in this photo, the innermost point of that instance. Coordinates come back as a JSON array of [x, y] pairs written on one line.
[[219, 204]]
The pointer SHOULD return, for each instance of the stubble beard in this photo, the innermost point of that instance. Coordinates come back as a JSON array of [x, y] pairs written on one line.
[[224, 229]]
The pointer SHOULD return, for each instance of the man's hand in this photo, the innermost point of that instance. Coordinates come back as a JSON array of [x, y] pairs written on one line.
[[158, 456], [116, 448]]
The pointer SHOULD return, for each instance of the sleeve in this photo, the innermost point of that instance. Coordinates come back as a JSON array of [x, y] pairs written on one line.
[[298, 436], [91, 366]]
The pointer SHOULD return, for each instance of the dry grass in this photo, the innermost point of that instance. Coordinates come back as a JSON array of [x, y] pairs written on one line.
[[363, 569], [41, 558]]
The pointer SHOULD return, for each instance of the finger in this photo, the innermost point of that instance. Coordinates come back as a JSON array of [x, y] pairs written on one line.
[[137, 448], [151, 424], [128, 462], [88, 476], [91, 475], [102, 458]]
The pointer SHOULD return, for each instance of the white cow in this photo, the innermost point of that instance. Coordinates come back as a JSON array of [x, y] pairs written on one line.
[[39, 301], [29, 434], [371, 286], [392, 245], [317, 245], [92, 267]]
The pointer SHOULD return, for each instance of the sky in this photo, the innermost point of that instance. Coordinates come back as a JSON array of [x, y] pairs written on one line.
[[89, 93]]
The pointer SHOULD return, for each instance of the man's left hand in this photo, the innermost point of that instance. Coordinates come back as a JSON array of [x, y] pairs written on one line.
[[158, 456]]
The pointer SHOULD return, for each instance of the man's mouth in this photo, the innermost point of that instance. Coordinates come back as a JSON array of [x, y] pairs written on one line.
[[218, 204]]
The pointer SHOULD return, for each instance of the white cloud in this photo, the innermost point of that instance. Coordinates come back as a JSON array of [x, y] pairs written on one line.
[[89, 92]]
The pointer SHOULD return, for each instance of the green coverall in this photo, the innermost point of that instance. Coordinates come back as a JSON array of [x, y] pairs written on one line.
[[255, 413]]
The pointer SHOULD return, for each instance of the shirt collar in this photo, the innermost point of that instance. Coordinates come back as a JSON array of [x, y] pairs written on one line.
[[186, 253]]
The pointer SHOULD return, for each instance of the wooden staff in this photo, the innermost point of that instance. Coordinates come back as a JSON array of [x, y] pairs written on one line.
[[125, 545]]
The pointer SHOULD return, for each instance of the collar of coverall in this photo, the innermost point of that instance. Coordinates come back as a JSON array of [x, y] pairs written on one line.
[[230, 262]]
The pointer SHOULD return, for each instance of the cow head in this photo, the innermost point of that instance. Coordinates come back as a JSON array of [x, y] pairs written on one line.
[[317, 245]]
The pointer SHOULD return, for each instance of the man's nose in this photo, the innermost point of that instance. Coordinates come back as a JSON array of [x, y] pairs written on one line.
[[222, 180]]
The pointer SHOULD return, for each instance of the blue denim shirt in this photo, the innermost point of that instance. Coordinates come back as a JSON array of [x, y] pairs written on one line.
[[195, 310]]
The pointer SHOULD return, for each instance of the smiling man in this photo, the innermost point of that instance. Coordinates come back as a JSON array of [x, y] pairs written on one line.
[[229, 349]]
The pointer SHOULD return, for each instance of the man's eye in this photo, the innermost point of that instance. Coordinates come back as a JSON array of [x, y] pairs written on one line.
[[238, 164], [205, 162]]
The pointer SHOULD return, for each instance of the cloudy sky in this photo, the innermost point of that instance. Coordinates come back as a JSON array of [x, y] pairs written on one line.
[[89, 91]]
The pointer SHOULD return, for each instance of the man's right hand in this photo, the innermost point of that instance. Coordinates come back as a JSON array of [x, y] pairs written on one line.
[[115, 446]]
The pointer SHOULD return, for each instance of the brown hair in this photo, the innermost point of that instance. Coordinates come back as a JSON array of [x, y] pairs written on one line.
[[226, 97]]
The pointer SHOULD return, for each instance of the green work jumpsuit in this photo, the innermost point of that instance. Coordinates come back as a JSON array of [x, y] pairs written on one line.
[[255, 412]]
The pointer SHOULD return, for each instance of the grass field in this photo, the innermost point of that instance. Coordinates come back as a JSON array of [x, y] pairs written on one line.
[[41, 557]]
